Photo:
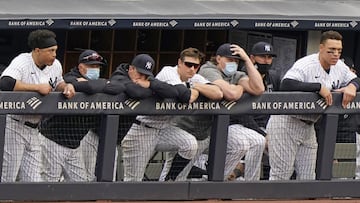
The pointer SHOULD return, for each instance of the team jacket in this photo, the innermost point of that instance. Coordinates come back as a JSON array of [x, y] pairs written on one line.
[[157, 88], [69, 130], [258, 123]]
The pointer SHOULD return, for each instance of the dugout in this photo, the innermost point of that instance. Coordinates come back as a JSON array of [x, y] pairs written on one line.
[[119, 29]]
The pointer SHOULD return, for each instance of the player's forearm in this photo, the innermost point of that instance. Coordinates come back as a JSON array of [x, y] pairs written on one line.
[[230, 92], [21, 86], [212, 92], [61, 86], [233, 93], [256, 84]]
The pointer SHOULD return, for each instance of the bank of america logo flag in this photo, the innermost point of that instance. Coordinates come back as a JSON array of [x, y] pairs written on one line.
[[34, 102]]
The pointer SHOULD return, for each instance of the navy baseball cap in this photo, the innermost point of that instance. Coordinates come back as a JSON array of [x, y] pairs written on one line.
[[144, 64], [224, 50], [91, 57], [263, 48]]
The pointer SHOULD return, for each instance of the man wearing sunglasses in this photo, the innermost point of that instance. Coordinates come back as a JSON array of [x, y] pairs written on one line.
[[221, 70], [185, 73], [37, 71]]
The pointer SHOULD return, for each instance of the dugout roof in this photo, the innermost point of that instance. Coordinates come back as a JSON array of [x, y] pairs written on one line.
[[181, 14]]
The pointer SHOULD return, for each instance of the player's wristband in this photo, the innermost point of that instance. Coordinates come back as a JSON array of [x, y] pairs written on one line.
[[356, 83]]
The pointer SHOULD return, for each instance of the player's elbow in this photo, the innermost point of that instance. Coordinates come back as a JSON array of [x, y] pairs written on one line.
[[258, 92], [218, 95]]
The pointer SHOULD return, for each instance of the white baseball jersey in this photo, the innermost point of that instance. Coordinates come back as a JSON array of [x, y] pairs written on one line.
[[309, 69], [23, 68], [169, 75], [292, 144]]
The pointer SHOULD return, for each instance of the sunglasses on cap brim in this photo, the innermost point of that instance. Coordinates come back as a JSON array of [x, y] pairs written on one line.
[[92, 57]]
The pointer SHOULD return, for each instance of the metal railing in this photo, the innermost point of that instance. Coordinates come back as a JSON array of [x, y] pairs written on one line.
[[111, 107]]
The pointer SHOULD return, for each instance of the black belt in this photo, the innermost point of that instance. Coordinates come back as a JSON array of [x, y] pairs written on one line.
[[307, 122], [139, 123], [27, 123]]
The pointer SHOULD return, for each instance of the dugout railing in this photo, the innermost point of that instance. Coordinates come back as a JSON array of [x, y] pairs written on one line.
[[112, 107]]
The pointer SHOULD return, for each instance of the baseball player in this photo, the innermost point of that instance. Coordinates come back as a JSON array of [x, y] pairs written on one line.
[[150, 133], [261, 55], [222, 71], [199, 126], [37, 71], [62, 154], [292, 140]]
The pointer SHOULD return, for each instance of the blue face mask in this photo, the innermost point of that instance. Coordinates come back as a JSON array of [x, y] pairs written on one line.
[[93, 73], [230, 68]]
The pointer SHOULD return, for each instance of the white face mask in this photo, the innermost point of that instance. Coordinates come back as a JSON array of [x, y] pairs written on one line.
[[230, 68], [93, 73]]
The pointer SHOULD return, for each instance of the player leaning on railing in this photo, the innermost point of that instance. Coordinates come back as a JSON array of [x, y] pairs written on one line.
[[37, 71]]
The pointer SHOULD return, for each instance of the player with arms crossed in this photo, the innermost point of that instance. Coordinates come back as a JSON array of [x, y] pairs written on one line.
[[37, 71], [62, 154], [150, 133], [292, 140], [199, 126], [221, 70]]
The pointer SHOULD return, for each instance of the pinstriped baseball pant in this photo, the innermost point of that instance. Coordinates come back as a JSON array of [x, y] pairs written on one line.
[[89, 147], [59, 160], [22, 153], [241, 141], [141, 142], [292, 146], [202, 146]]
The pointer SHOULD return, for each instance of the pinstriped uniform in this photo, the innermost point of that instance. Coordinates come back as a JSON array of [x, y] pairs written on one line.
[[241, 140], [61, 161], [89, 147], [292, 142], [22, 151], [202, 144], [155, 133]]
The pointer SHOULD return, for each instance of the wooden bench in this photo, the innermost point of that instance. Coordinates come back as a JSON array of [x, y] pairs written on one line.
[[344, 160]]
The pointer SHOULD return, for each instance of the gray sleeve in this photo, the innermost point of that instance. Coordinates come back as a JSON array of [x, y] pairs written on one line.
[[210, 74]]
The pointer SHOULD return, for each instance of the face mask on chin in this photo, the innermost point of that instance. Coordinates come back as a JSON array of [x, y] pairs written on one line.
[[263, 68], [93, 73], [230, 68]]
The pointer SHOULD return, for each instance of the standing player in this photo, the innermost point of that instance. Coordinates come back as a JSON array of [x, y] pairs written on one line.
[[37, 71], [62, 154], [150, 133], [261, 55], [292, 140]]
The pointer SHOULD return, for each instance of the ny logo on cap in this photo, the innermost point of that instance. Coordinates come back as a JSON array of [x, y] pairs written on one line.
[[267, 48], [148, 65]]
